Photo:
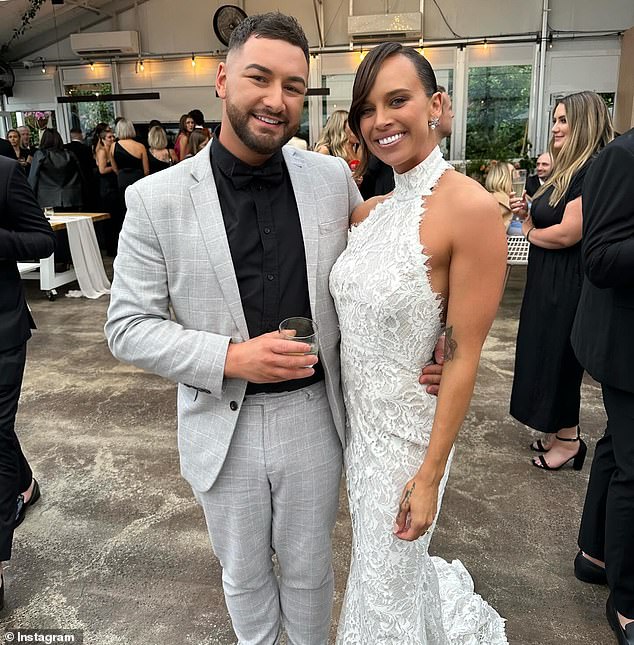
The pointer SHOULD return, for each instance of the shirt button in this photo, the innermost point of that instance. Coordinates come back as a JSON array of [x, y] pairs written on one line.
[[233, 405], [267, 230], [270, 277]]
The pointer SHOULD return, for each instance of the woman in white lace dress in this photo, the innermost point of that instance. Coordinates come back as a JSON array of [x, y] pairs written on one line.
[[416, 261]]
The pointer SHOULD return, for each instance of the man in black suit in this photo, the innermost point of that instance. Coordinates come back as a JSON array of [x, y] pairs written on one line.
[[543, 168], [87, 166], [24, 235], [603, 340]]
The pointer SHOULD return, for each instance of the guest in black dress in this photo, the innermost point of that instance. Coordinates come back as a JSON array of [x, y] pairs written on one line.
[[129, 159], [160, 156], [547, 380], [108, 201], [20, 154]]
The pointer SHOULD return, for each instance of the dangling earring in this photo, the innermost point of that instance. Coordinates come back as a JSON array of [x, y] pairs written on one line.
[[433, 124]]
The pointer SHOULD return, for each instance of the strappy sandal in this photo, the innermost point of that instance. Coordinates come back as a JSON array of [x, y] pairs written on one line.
[[577, 459], [538, 446]]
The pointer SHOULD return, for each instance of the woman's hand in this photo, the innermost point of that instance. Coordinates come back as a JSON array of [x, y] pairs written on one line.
[[416, 510], [518, 205]]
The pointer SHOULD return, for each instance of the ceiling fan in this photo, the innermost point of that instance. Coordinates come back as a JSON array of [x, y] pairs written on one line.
[[226, 19]]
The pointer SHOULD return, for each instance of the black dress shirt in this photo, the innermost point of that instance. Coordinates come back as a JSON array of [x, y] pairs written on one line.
[[267, 248]]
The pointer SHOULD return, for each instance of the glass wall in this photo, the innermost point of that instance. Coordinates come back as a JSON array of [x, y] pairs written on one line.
[[86, 115], [498, 111], [340, 97]]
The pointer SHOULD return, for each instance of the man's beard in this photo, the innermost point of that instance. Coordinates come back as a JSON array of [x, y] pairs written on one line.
[[261, 144]]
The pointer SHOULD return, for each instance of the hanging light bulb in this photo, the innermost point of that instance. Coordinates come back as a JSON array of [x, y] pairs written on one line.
[[92, 66], [486, 44], [193, 60], [421, 50], [141, 66], [43, 67], [362, 55]]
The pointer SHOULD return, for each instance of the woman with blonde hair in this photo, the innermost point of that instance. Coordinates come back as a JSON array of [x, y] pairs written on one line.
[[159, 157], [499, 182], [334, 139], [547, 380]]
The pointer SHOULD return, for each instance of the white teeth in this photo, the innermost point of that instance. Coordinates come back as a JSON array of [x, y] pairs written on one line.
[[267, 120], [391, 139]]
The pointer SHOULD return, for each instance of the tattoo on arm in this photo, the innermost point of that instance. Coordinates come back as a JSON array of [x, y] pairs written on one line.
[[450, 344]]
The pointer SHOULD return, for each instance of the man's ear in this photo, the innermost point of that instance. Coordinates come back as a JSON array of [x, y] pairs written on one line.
[[221, 80]]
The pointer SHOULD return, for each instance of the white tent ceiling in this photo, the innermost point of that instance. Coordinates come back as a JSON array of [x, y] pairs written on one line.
[[53, 22]]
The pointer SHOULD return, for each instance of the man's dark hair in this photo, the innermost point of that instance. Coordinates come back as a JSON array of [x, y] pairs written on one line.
[[198, 116], [273, 25], [76, 131]]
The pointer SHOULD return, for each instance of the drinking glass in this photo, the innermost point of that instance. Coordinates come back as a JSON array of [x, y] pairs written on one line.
[[519, 181], [300, 330]]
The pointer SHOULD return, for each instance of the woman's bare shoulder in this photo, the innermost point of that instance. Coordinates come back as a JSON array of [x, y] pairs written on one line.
[[363, 210], [466, 197]]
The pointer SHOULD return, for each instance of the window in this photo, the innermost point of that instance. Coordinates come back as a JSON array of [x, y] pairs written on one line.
[[497, 111], [36, 121], [86, 115], [340, 96]]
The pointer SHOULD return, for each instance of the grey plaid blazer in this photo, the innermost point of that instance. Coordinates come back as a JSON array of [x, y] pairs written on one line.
[[175, 303]]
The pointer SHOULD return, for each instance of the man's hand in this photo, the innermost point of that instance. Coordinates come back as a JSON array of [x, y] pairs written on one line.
[[432, 373], [269, 359]]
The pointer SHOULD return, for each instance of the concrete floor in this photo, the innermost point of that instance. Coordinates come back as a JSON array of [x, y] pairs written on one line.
[[117, 546]]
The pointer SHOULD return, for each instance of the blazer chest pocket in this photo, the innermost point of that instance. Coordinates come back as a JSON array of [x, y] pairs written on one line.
[[334, 227]]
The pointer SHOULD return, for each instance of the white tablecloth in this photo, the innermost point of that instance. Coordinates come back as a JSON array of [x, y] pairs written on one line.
[[84, 251]]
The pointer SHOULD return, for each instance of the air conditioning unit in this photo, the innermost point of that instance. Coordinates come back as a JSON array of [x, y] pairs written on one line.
[[387, 26], [105, 43]]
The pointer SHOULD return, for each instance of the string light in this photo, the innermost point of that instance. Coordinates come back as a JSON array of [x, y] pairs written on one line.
[[486, 44], [92, 66], [43, 67], [362, 55], [193, 60], [141, 66], [421, 51]]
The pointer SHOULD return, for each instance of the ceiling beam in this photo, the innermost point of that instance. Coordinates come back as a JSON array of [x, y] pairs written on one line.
[[48, 34], [84, 5]]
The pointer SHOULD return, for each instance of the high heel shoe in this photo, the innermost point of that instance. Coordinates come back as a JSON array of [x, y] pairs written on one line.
[[577, 459]]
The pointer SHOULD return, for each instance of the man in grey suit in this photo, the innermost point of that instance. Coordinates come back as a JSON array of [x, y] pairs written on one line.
[[233, 241]]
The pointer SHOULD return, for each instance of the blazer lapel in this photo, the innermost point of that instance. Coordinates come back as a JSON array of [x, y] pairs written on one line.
[[207, 207], [308, 217]]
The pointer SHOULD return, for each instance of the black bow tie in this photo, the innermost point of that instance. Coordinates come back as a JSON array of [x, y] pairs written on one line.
[[270, 173]]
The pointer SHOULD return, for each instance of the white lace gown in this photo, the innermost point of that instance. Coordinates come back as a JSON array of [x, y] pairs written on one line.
[[390, 320]]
